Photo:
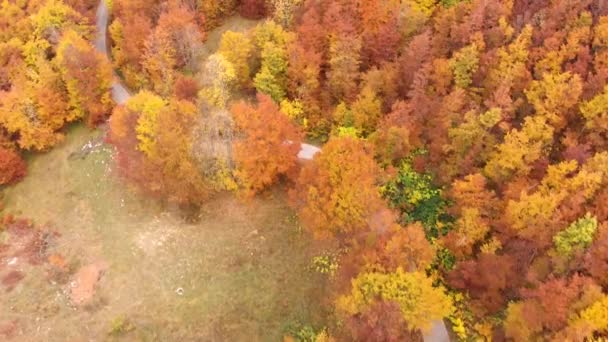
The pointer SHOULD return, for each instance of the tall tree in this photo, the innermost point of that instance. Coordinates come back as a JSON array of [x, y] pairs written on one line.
[[237, 48], [159, 61], [419, 302], [336, 194], [88, 78], [154, 142], [269, 145]]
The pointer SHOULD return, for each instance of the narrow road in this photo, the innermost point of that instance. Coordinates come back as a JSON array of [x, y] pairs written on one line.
[[438, 333], [120, 93]]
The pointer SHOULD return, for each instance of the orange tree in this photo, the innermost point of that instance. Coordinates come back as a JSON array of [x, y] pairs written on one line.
[[268, 146], [336, 194]]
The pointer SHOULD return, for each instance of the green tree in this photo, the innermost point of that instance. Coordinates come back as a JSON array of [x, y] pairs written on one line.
[[272, 42], [417, 198], [464, 65], [272, 78], [578, 236]]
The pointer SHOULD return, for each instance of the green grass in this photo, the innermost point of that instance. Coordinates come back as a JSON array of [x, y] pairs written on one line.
[[244, 267]]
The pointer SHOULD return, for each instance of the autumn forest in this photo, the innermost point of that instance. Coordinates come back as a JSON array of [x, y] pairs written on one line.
[[304, 170]]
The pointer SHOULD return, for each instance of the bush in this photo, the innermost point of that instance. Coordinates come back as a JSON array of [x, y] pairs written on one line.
[[12, 167]]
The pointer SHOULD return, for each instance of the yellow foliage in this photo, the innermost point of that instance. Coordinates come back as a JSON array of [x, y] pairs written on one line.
[[516, 326], [595, 112], [56, 16], [520, 149], [237, 48], [470, 227], [419, 301], [425, 7], [294, 110], [491, 246], [554, 95], [219, 80], [149, 106], [366, 111], [116, 31], [597, 314], [533, 211]]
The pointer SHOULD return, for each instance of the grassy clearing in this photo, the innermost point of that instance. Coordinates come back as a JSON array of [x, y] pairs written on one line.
[[239, 274]]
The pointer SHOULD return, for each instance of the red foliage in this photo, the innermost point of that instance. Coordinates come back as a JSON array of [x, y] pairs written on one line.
[[381, 45], [596, 260], [129, 160], [311, 35], [381, 322], [185, 88], [12, 167], [253, 9], [487, 280], [550, 304]]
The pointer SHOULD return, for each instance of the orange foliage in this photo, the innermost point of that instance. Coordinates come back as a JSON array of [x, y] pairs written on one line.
[[12, 167], [336, 194], [269, 145]]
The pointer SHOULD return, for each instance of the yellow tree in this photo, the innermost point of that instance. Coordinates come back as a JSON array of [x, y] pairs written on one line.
[[54, 17], [595, 113], [554, 95], [147, 106], [366, 111], [36, 107], [218, 81], [237, 48], [154, 144], [464, 64], [520, 149], [419, 301], [336, 194]]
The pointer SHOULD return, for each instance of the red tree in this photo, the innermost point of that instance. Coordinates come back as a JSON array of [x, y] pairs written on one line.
[[12, 167], [253, 9]]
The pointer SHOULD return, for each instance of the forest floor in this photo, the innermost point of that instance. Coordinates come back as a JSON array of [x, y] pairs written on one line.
[[240, 273]]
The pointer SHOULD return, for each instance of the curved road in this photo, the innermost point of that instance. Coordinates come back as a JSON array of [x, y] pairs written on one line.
[[120, 95], [119, 92]]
